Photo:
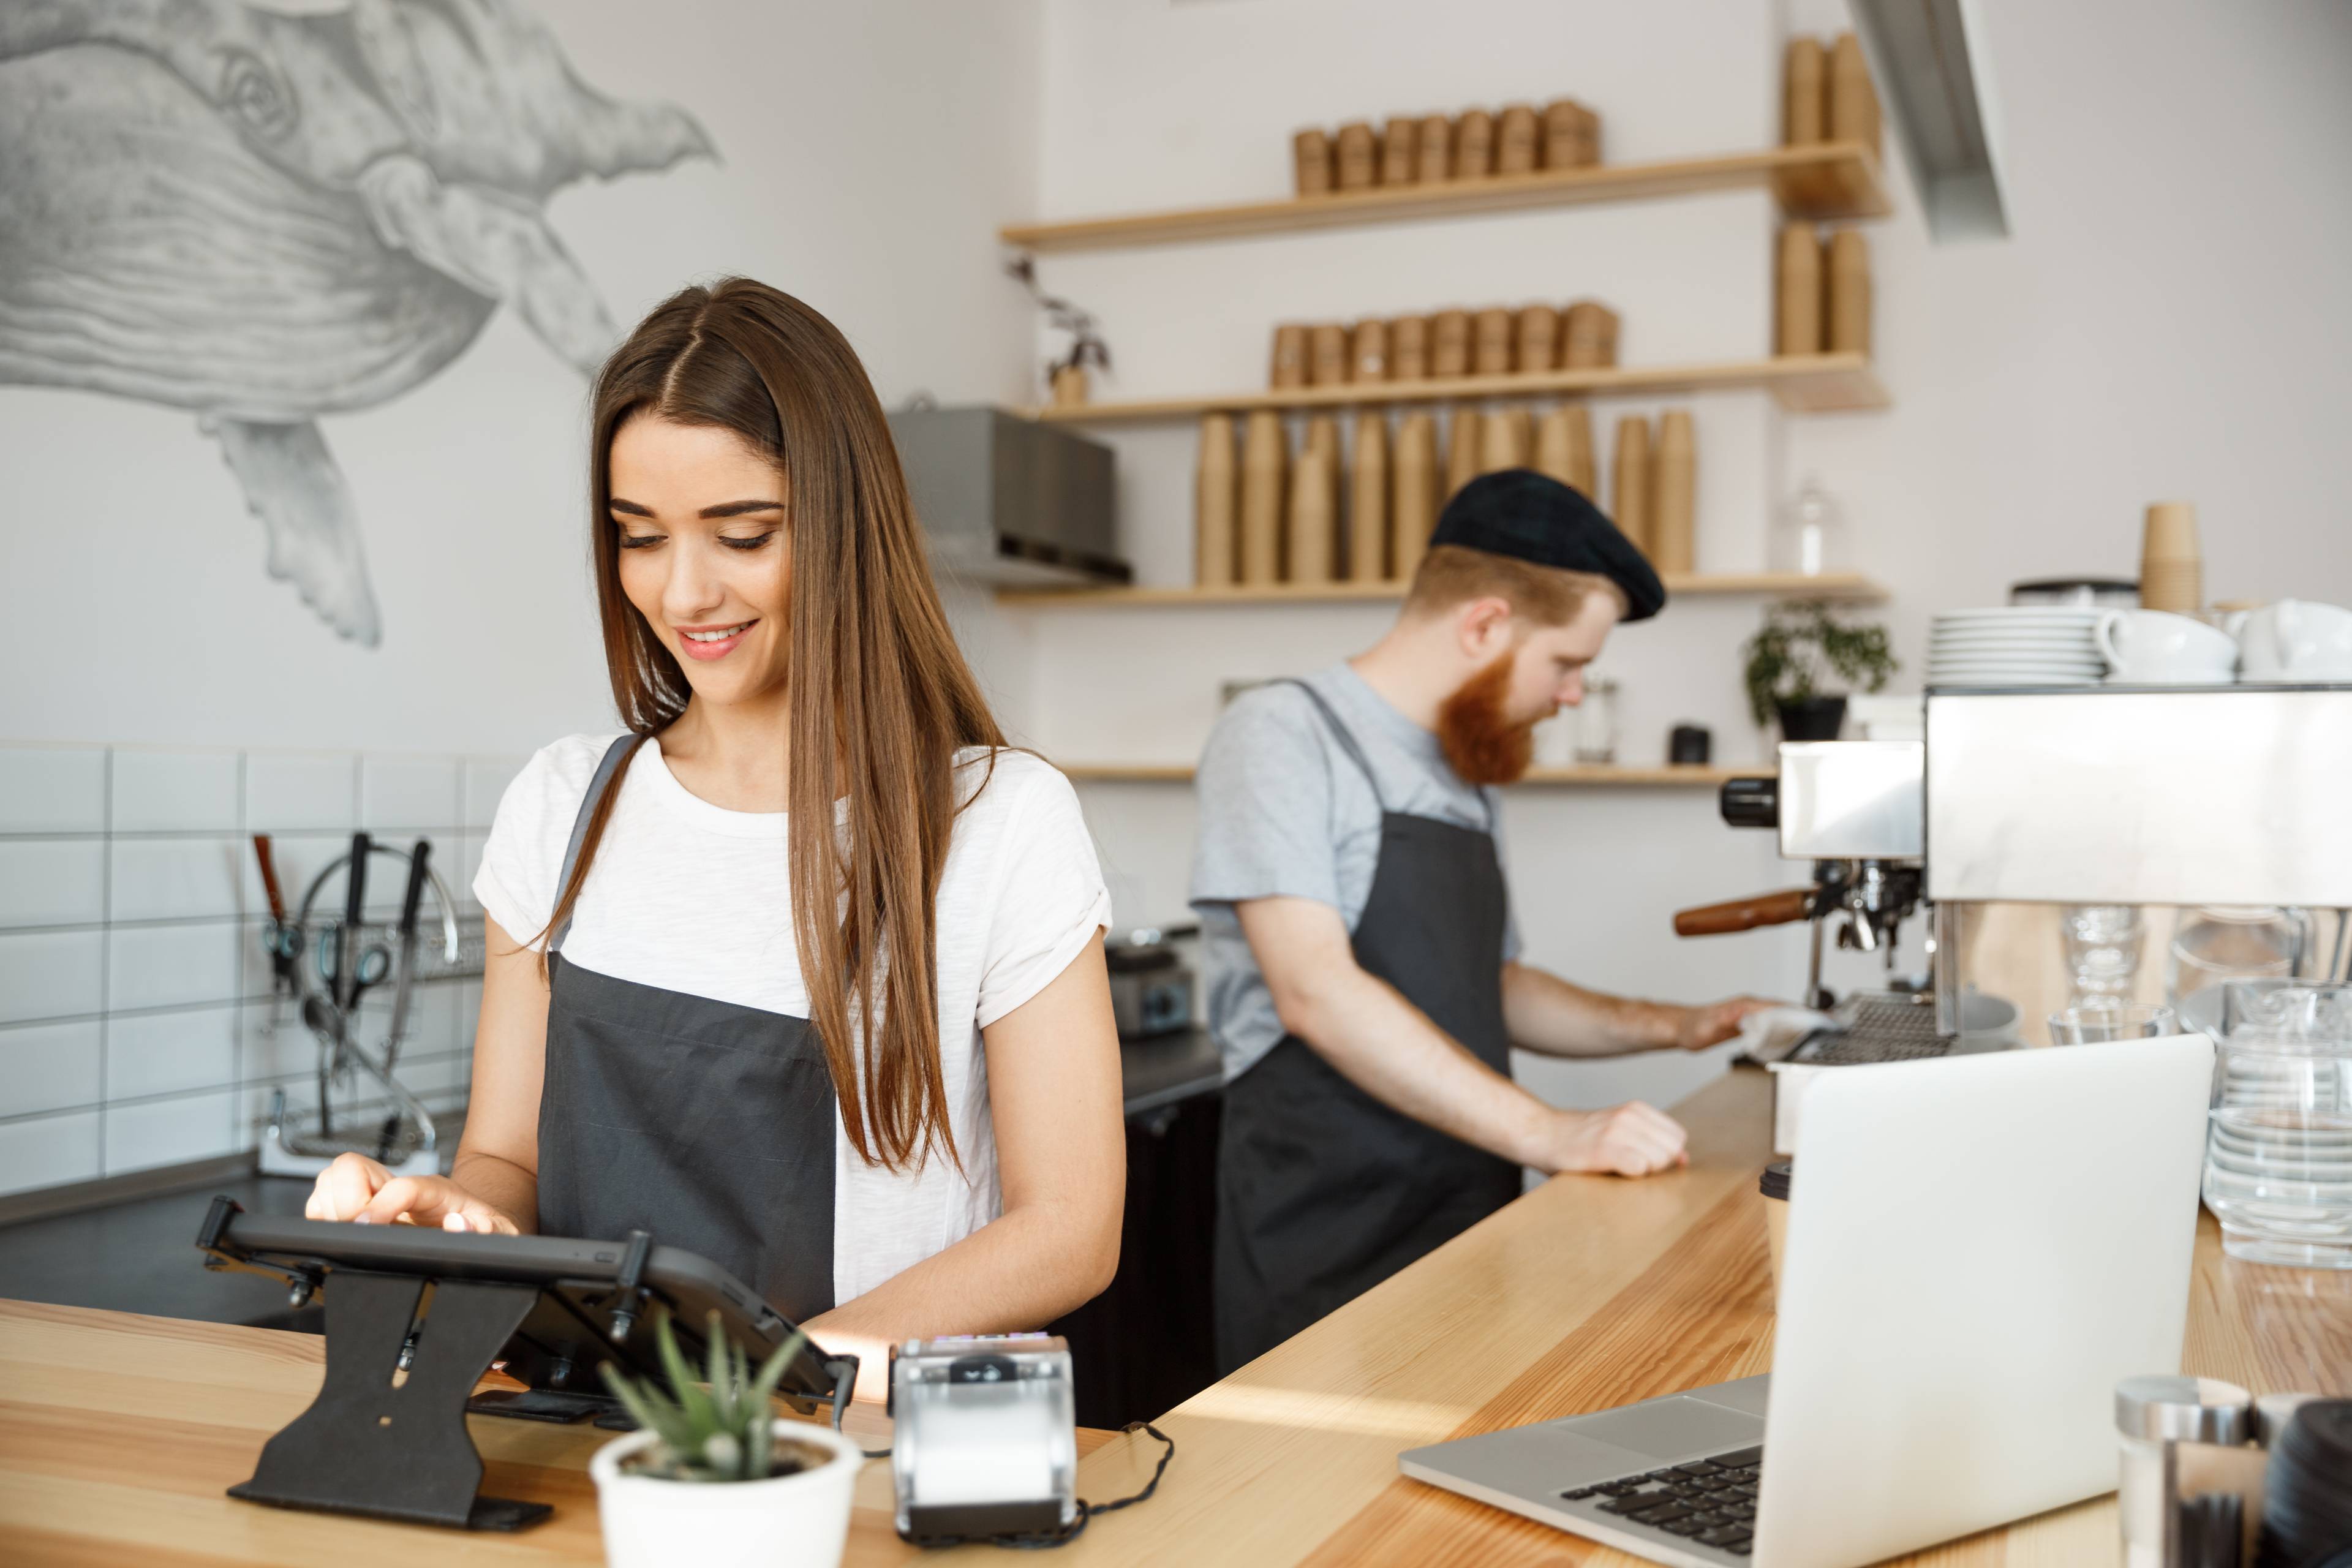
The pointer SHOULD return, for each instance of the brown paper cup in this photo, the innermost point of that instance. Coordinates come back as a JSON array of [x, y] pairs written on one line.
[[1449, 344], [2172, 532], [1774, 1186], [1409, 348]]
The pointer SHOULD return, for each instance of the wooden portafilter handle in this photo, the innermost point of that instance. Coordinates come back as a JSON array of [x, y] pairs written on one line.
[[1746, 914]]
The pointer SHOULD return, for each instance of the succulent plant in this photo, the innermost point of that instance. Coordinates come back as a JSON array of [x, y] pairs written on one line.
[[715, 1422]]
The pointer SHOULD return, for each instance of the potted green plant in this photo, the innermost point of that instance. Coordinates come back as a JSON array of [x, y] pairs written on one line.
[[1065, 375], [1800, 649], [713, 1477]]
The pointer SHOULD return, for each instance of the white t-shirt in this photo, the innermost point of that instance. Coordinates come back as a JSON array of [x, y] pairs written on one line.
[[689, 897]]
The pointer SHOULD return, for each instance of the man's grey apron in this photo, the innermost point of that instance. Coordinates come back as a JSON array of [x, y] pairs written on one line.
[[1322, 1191], [708, 1124]]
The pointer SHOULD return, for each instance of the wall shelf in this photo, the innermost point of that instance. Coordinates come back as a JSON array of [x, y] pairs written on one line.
[[1610, 777], [1804, 383], [1823, 180], [1846, 587]]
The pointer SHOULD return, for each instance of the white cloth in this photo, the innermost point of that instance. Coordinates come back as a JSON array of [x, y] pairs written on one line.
[[688, 897], [1769, 1034]]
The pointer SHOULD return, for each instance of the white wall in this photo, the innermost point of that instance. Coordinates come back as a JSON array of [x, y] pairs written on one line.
[[868, 152], [2168, 320]]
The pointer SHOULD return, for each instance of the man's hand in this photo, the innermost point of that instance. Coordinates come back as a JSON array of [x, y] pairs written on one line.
[[357, 1189], [1630, 1140], [1700, 1028]]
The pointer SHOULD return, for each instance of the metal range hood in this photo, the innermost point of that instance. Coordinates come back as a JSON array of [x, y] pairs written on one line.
[[1010, 501], [1933, 67]]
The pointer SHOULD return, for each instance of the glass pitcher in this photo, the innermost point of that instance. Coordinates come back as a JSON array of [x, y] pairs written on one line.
[[2278, 1152], [2219, 943]]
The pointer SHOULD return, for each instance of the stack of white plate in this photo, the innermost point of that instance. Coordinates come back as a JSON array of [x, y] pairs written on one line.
[[2024, 644]]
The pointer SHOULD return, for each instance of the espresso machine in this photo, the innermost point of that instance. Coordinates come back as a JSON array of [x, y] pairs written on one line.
[[2202, 796], [1854, 809]]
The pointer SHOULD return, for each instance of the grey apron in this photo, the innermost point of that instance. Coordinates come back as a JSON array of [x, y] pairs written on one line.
[[1322, 1191], [708, 1124]]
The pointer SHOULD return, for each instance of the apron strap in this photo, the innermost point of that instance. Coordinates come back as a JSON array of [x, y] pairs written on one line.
[[615, 757], [1348, 744], [1342, 733]]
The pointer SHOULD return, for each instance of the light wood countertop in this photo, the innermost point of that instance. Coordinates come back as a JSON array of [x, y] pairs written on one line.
[[118, 1434]]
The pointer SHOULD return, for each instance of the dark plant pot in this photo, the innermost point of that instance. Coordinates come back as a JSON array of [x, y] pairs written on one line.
[[1815, 719]]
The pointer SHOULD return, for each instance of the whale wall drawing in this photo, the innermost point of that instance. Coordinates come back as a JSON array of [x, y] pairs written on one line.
[[262, 219]]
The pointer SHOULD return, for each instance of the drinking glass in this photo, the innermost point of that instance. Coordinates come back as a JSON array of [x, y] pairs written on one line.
[[2099, 1022], [2278, 1154], [2103, 943], [1596, 723], [2220, 943]]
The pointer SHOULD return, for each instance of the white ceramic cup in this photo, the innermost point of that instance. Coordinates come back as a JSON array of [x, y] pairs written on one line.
[[2294, 639], [2156, 647]]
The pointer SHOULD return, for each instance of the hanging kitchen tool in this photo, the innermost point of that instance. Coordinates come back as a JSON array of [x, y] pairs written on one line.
[[279, 939], [349, 956]]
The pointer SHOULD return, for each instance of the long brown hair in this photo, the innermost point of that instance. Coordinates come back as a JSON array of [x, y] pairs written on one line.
[[880, 696]]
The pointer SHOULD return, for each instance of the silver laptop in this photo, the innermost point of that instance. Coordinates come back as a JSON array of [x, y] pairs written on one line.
[[1979, 1248]]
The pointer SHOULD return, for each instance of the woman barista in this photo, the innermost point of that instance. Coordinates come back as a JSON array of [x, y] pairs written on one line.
[[803, 972]]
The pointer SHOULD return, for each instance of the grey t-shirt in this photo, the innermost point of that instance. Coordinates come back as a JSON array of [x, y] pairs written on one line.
[[1285, 812]]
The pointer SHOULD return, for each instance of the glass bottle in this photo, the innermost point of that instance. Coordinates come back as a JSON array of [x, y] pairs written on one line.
[[1808, 534], [1596, 724]]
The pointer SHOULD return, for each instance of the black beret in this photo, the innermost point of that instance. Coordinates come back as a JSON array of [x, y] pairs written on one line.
[[1533, 517]]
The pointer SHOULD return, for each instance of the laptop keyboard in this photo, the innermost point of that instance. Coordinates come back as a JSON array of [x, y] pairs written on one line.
[[1712, 1501]]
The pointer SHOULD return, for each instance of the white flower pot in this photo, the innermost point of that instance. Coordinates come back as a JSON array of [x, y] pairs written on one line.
[[785, 1521]]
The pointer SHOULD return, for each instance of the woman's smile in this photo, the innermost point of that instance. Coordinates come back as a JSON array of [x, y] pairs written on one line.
[[708, 643], [703, 552]]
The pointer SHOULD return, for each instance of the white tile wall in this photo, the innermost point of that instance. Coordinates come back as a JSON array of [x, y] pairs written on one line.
[[52, 881], [52, 789], [298, 857], [264, 1053], [175, 878], [288, 790], [174, 792], [172, 966], [170, 1052], [49, 1067], [49, 974], [48, 1152], [411, 791], [130, 910], [470, 1012], [487, 779], [148, 1133]]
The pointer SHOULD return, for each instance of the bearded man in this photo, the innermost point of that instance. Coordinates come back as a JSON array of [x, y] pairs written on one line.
[[1365, 984]]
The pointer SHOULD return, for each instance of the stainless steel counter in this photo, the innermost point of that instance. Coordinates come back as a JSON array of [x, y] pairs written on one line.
[[1168, 1068]]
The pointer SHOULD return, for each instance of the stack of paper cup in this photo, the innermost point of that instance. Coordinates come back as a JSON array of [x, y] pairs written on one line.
[[2171, 571]]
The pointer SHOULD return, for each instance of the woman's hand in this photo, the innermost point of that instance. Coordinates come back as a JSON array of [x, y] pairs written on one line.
[[357, 1189]]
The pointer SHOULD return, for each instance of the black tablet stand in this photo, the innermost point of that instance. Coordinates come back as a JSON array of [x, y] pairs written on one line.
[[386, 1436]]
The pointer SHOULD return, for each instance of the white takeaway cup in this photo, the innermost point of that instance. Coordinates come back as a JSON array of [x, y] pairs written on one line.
[[2294, 639], [2156, 647]]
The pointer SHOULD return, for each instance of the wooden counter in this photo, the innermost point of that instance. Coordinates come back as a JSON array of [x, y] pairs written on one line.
[[118, 1434]]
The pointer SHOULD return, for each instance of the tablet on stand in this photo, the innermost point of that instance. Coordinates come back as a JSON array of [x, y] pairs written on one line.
[[415, 1318]]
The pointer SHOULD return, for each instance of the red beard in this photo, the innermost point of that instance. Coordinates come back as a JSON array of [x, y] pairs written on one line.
[[1480, 740]]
